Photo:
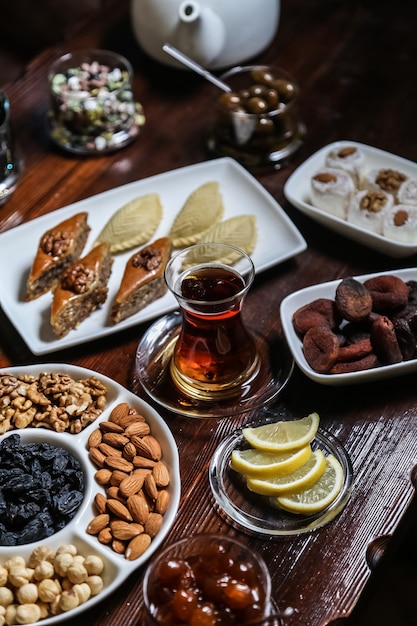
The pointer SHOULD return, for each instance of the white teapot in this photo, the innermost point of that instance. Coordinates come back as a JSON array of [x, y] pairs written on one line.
[[215, 33]]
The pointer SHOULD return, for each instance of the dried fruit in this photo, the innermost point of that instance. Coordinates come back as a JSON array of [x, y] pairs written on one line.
[[41, 486], [353, 300]]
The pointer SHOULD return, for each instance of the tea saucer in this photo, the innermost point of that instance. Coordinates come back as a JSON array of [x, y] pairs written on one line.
[[153, 357]]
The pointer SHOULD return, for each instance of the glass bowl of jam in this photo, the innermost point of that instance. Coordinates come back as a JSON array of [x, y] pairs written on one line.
[[257, 122], [207, 579]]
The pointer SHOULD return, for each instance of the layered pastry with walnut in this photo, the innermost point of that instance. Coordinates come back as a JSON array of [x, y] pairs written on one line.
[[82, 288], [58, 248], [143, 279]]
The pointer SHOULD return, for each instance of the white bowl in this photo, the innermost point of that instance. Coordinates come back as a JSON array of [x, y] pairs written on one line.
[[294, 301], [297, 191], [116, 567]]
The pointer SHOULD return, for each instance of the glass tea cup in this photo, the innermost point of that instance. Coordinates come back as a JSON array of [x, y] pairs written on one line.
[[257, 123], [214, 353], [215, 577]]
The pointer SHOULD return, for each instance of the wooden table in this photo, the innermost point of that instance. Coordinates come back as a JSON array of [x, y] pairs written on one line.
[[355, 63]]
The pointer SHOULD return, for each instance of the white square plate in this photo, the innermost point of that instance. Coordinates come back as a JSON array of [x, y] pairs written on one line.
[[278, 240], [294, 301], [297, 191]]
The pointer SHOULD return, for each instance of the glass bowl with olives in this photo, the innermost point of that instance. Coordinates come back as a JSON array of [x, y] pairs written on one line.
[[257, 122]]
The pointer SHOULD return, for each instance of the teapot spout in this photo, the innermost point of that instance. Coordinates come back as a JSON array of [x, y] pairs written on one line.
[[201, 33], [189, 11]]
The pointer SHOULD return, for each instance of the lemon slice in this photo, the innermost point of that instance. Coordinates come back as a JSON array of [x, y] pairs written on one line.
[[261, 464], [284, 435], [320, 495], [301, 478]]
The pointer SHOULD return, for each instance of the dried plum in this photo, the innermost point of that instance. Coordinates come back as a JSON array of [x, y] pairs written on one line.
[[41, 489]]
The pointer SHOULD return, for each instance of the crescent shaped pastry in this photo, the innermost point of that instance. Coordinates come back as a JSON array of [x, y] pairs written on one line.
[[133, 224], [203, 208]]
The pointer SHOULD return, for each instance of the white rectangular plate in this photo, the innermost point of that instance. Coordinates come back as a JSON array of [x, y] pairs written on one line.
[[297, 191], [328, 290], [278, 240]]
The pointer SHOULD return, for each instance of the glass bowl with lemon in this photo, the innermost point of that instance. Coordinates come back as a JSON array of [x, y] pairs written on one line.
[[281, 476]]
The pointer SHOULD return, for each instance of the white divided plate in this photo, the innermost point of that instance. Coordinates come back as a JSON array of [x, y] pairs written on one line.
[[278, 240], [294, 301], [117, 568], [297, 191]]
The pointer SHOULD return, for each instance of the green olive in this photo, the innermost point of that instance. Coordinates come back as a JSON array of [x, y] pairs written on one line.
[[244, 94], [256, 105], [285, 89], [229, 101], [272, 98], [262, 76], [258, 90], [265, 126]]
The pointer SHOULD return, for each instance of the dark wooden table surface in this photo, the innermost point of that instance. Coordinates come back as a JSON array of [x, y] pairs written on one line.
[[355, 63]]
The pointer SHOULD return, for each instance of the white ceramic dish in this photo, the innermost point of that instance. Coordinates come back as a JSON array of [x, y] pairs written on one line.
[[327, 290], [297, 191], [278, 240], [117, 568]]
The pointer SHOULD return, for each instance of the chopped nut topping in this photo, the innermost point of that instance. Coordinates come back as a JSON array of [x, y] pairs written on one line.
[[373, 201], [148, 258], [78, 278], [55, 243], [400, 217], [390, 180]]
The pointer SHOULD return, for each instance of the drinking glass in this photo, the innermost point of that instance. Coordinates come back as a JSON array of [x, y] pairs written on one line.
[[214, 353]]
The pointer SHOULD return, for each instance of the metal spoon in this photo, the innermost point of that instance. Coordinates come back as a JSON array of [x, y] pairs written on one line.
[[9, 164], [185, 60]]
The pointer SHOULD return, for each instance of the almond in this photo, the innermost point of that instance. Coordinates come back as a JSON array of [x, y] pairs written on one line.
[[100, 502], [105, 536], [162, 501], [96, 456], [142, 461], [94, 439], [109, 450], [148, 447], [130, 418], [138, 508], [113, 493], [118, 463], [137, 546], [117, 477], [103, 476], [118, 546], [110, 427], [131, 485], [123, 530], [137, 429], [119, 411], [138, 416], [153, 524], [119, 510], [116, 440], [98, 523], [160, 473], [129, 451], [150, 487]]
